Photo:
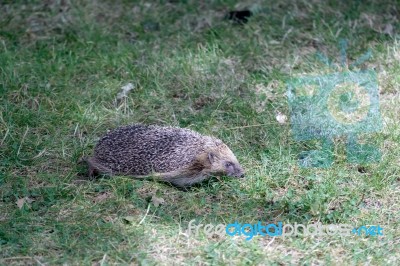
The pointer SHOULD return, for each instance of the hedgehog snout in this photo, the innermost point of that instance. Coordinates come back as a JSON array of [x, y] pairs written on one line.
[[240, 173]]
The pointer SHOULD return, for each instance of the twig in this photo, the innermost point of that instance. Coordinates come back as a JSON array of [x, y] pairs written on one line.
[[22, 140], [144, 217]]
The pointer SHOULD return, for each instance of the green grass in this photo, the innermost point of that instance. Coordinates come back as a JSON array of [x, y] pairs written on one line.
[[61, 67]]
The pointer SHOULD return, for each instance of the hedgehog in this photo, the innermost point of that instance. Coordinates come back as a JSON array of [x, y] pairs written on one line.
[[178, 156]]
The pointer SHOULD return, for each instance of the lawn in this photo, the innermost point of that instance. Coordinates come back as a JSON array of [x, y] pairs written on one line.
[[62, 65]]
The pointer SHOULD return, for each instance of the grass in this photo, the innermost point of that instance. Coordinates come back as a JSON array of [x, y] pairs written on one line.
[[62, 64]]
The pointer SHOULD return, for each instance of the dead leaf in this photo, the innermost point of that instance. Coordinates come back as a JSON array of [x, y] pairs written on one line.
[[101, 197], [20, 202], [129, 219], [157, 201]]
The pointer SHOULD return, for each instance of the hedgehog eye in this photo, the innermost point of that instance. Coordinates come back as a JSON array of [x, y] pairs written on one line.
[[228, 164]]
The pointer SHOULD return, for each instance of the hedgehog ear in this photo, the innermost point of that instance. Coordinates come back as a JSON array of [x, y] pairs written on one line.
[[211, 157]]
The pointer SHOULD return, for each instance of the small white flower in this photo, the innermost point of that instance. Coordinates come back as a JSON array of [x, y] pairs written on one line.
[[125, 90], [281, 118]]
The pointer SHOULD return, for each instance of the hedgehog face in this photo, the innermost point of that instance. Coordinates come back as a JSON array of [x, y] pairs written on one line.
[[233, 169], [226, 164]]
